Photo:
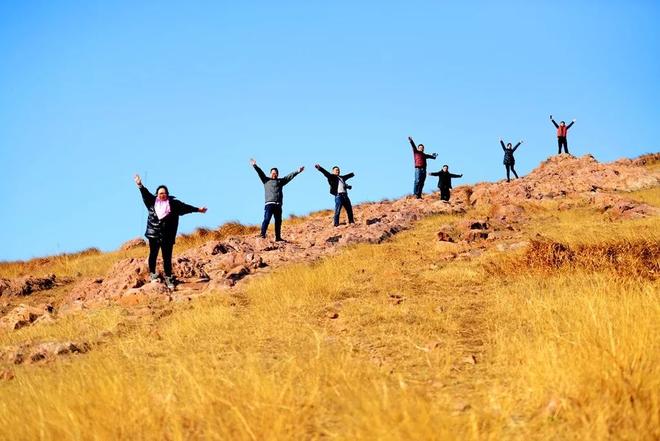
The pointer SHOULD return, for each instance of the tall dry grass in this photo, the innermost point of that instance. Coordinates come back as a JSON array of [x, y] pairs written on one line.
[[389, 341]]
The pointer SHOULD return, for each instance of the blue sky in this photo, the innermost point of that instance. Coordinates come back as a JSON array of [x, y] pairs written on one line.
[[184, 93]]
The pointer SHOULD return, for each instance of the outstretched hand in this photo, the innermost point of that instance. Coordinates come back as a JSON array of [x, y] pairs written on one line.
[[300, 170], [318, 166], [410, 139], [550, 116], [203, 209], [138, 180], [521, 141], [435, 155], [574, 120], [253, 162]]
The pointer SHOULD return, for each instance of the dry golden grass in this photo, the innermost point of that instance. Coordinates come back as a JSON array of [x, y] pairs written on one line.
[[378, 342]]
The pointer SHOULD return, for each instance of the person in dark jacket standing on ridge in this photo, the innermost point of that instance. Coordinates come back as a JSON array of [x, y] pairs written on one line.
[[444, 181], [562, 132], [162, 223], [339, 189], [420, 167], [274, 197], [509, 160]]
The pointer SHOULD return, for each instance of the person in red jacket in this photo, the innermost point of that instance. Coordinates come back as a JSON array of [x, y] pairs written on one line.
[[562, 131], [420, 167]]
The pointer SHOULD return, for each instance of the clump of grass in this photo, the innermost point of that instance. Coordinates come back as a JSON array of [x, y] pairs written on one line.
[[639, 258], [203, 235]]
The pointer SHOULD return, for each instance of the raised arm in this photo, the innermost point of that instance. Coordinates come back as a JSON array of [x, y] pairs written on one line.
[[348, 176], [451, 175], [412, 143], [285, 180], [554, 122], [517, 145], [147, 197], [502, 144], [571, 124], [431, 156], [325, 172], [259, 171]]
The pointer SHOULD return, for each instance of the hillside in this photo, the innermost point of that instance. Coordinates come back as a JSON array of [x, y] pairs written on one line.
[[524, 310]]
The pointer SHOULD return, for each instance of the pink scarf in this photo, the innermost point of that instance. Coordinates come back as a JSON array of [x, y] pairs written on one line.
[[162, 208]]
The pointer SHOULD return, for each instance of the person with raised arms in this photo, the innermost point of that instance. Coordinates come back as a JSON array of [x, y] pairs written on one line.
[[509, 160], [274, 197], [562, 133], [420, 158], [444, 182], [162, 224], [339, 189]]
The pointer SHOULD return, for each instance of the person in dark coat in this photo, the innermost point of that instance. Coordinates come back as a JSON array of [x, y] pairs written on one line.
[[162, 224], [444, 182], [562, 133], [509, 160], [339, 189], [274, 196], [420, 167]]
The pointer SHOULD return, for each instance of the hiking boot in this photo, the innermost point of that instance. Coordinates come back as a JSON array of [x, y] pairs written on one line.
[[153, 277], [169, 282]]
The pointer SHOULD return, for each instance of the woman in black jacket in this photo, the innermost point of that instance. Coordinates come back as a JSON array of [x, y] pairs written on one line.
[[444, 182], [162, 223], [509, 160]]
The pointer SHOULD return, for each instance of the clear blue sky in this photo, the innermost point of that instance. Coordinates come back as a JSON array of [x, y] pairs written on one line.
[[184, 93]]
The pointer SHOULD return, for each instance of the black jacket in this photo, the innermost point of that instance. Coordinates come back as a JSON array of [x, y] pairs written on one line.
[[444, 180], [508, 154], [164, 229], [333, 180]]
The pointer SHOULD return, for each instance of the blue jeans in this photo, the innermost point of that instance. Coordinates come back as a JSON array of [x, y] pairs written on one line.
[[420, 178], [342, 200], [271, 210]]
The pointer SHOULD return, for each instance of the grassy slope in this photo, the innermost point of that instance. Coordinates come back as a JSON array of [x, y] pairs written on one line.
[[560, 354]]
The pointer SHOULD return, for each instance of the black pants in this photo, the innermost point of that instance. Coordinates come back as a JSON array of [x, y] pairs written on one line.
[[444, 193], [509, 168], [342, 200], [166, 247], [561, 140], [271, 210]]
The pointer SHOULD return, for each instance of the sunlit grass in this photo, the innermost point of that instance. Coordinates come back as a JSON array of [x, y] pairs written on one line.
[[388, 341]]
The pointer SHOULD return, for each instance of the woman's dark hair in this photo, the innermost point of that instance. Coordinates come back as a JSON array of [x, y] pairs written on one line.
[[508, 144], [164, 187], [275, 168]]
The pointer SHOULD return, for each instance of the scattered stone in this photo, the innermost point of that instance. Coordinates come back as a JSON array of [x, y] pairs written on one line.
[[23, 315], [25, 286]]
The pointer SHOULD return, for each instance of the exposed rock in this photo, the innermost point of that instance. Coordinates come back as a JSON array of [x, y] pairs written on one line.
[[24, 315], [24, 286]]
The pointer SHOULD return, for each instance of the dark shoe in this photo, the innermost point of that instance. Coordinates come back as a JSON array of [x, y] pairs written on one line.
[[169, 282], [279, 239]]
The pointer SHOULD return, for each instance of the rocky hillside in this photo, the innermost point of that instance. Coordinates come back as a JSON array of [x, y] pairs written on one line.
[[496, 210]]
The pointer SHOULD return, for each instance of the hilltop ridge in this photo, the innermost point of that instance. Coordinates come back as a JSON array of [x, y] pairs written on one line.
[[221, 264]]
